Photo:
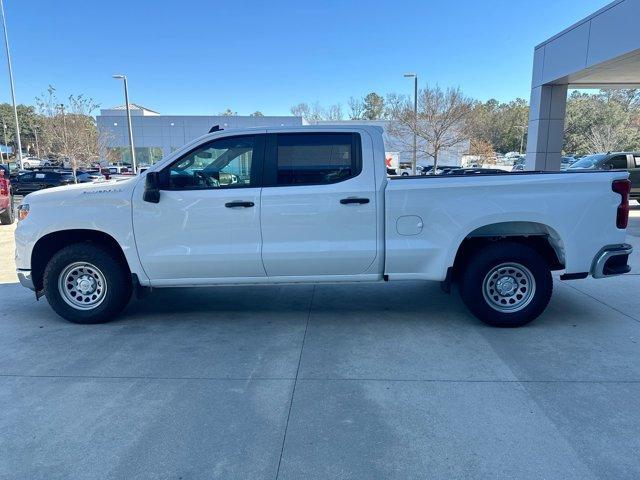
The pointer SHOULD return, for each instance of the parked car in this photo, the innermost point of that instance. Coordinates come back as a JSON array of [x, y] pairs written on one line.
[[629, 161], [90, 176], [6, 198], [33, 162], [314, 205], [38, 180], [119, 169]]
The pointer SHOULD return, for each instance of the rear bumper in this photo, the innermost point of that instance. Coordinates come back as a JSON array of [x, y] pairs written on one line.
[[612, 260], [25, 279]]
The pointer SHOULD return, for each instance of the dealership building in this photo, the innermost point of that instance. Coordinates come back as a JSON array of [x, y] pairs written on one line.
[[600, 51], [155, 135]]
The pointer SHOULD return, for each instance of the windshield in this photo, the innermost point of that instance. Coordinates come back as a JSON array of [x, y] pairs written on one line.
[[590, 161]]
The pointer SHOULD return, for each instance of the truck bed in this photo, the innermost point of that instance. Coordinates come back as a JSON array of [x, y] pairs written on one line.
[[435, 213]]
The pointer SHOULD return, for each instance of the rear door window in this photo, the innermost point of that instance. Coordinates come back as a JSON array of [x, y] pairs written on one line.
[[316, 158]]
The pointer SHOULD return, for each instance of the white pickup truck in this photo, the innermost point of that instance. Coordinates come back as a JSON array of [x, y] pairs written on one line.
[[314, 204]]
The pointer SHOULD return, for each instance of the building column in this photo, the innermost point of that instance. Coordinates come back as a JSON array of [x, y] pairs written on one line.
[[546, 127]]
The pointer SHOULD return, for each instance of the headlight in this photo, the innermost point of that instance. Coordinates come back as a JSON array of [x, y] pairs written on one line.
[[23, 211]]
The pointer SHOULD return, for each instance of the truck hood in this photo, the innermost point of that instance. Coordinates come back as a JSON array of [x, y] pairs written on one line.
[[83, 191]]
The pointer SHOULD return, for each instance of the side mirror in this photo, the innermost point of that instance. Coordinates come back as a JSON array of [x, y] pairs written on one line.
[[152, 188]]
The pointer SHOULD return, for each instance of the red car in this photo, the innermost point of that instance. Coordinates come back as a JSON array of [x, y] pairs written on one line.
[[6, 202]]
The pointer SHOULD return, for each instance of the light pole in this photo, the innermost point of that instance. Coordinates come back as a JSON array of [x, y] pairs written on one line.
[[415, 119], [126, 101], [13, 92]]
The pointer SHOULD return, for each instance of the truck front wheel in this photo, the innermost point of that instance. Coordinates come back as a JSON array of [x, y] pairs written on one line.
[[506, 284], [87, 283]]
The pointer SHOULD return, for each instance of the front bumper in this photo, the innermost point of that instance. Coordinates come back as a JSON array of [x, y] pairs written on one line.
[[611, 260], [25, 279]]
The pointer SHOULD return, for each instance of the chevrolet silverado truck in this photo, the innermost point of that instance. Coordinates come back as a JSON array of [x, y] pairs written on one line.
[[314, 204]]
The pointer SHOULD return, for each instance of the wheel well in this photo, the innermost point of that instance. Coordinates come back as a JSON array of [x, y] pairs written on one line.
[[50, 244], [541, 243]]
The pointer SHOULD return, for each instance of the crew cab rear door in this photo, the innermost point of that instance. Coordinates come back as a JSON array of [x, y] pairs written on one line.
[[318, 204]]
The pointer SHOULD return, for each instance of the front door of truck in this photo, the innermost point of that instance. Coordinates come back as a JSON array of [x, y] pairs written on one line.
[[206, 225], [318, 205]]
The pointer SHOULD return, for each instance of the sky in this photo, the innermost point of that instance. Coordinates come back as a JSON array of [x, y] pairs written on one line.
[[197, 57]]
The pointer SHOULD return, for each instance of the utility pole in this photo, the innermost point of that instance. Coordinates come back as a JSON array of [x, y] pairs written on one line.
[[13, 92]]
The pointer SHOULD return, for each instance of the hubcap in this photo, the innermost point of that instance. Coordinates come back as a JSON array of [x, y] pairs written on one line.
[[509, 287], [82, 285]]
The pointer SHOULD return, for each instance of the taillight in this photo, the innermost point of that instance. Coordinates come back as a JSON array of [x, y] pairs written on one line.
[[623, 187]]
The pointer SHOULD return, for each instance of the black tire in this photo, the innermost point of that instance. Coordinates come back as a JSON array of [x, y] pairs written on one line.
[[8, 216], [495, 259], [116, 278]]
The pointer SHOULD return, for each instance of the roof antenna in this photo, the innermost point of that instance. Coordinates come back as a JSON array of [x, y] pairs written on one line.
[[215, 128]]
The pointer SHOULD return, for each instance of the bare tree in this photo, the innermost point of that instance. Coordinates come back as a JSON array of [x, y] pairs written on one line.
[[69, 129], [442, 121], [356, 108], [301, 110], [483, 150], [334, 113], [607, 137], [317, 113]]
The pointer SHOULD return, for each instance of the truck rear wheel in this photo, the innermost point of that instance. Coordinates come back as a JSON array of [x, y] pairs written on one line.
[[506, 284], [87, 283]]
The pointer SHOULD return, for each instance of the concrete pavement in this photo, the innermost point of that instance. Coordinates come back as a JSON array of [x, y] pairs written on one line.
[[331, 381]]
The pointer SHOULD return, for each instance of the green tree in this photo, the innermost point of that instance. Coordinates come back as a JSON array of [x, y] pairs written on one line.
[[605, 121], [257, 113], [30, 125], [503, 125], [373, 107]]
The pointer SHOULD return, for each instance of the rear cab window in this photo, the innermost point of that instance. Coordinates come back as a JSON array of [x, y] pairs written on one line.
[[315, 158]]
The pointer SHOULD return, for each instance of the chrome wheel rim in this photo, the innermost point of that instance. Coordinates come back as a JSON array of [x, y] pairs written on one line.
[[82, 286], [509, 287]]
